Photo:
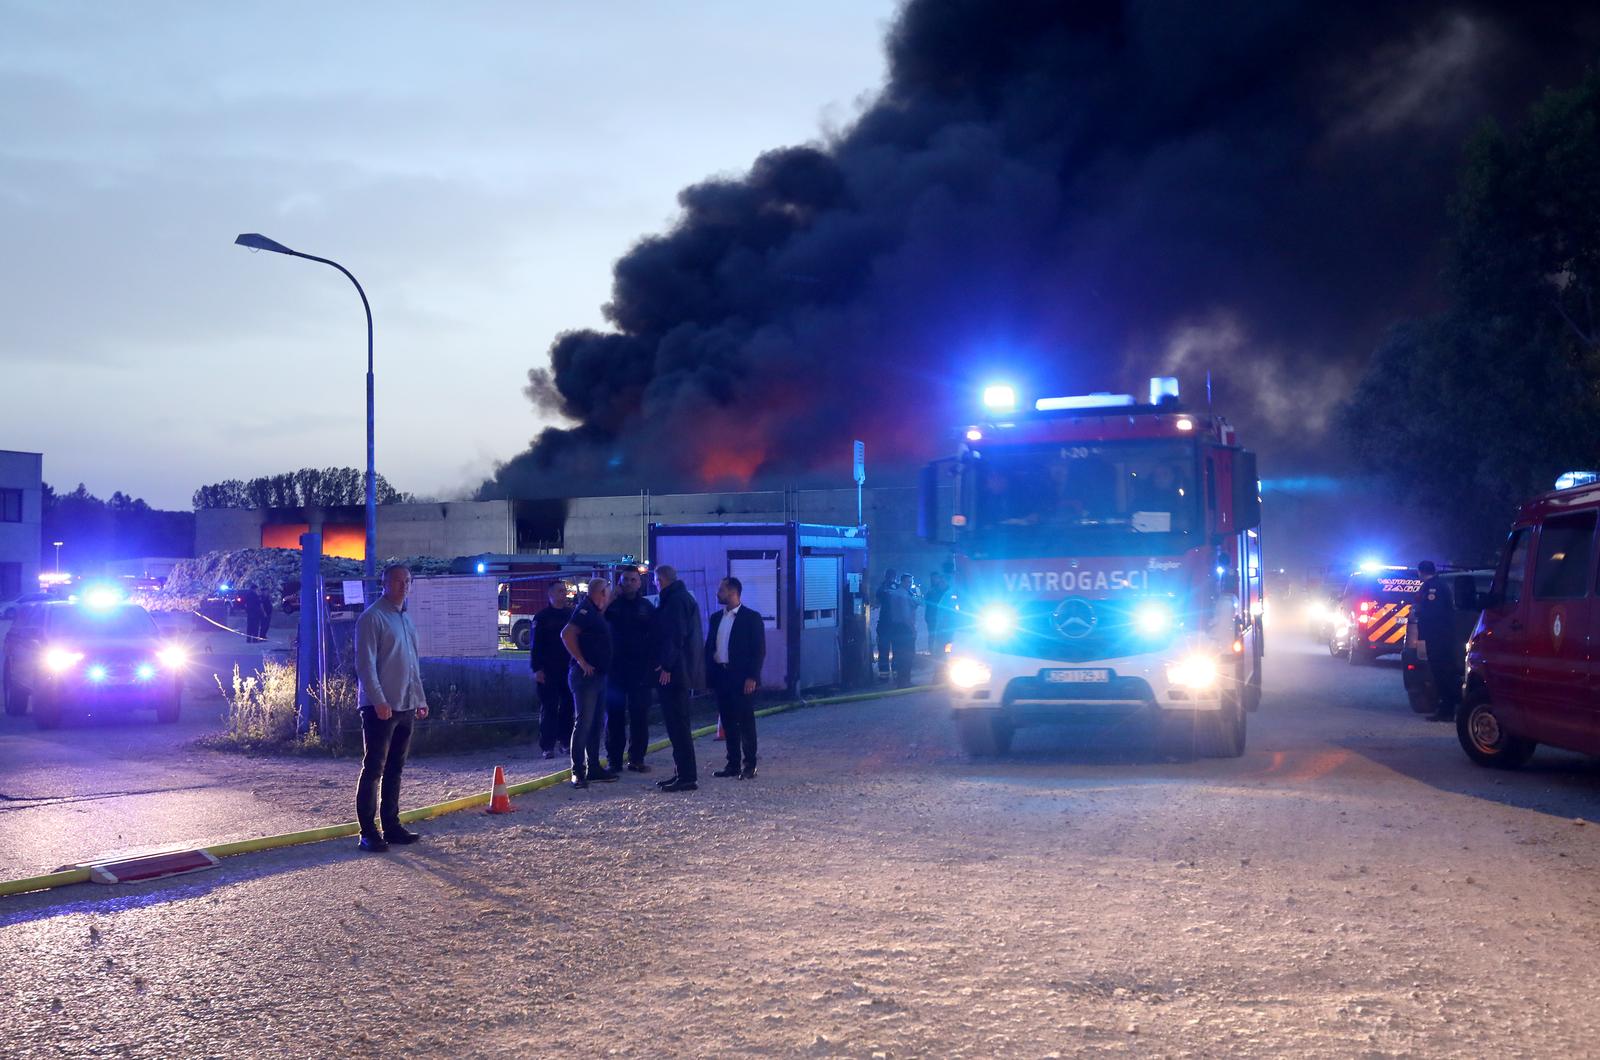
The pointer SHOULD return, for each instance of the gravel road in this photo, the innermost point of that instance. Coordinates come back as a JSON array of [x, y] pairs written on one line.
[[1352, 886]]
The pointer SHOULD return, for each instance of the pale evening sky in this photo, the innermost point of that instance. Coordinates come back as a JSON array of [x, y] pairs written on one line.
[[478, 166]]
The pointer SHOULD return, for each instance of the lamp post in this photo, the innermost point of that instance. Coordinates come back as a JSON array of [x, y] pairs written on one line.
[[58, 545], [255, 241]]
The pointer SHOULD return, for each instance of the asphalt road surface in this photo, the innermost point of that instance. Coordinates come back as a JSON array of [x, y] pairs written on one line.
[[1351, 886]]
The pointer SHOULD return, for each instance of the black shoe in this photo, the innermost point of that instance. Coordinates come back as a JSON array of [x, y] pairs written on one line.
[[602, 776], [638, 767], [399, 836], [731, 771], [614, 765], [748, 774], [372, 844], [681, 785], [579, 782], [547, 754], [670, 780]]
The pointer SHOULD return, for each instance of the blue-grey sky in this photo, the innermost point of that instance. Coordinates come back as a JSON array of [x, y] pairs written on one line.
[[479, 166]]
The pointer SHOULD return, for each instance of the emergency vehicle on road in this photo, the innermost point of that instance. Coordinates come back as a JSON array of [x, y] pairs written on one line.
[[1108, 563], [1532, 676], [1371, 616]]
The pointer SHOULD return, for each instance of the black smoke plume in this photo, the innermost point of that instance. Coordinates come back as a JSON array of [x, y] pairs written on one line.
[[1070, 195]]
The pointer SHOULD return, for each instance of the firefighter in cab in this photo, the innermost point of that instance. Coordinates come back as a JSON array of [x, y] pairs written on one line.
[[1434, 613]]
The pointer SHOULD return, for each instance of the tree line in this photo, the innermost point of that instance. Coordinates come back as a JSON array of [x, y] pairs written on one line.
[[1467, 413], [309, 487]]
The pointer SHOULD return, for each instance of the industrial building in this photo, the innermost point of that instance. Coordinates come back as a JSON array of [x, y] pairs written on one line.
[[21, 516], [612, 525]]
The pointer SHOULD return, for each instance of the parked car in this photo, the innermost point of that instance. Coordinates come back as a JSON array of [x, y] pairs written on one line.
[[62, 655], [1531, 675], [11, 608]]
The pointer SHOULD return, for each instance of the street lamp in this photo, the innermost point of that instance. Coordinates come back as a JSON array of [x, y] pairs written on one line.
[[58, 545], [254, 241]]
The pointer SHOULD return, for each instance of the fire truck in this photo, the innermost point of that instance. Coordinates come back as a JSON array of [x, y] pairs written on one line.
[[1107, 559], [524, 583]]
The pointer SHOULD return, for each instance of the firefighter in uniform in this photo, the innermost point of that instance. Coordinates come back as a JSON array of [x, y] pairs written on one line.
[[1433, 611]]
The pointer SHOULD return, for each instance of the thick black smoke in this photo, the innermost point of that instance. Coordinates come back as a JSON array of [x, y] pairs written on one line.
[[1073, 196]]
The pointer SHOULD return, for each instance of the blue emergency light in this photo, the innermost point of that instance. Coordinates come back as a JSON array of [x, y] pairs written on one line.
[[1000, 397]]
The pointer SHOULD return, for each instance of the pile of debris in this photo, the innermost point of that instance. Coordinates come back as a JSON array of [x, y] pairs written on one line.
[[194, 581]]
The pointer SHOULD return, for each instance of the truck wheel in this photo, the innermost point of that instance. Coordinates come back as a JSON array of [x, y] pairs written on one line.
[[522, 636], [16, 699], [980, 733], [1333, 648], [47, 711], [167, 710], [1360, 654], [1484, 736], [1252, 692], [1220, 734]]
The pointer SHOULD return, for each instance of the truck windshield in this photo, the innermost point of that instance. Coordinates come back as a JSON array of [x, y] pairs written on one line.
[[1077, 495]]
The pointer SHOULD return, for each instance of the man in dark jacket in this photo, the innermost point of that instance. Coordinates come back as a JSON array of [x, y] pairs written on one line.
[[681, 671], [252, 612], [1434, 611], [633, 673], [550, 660], [735, 650]]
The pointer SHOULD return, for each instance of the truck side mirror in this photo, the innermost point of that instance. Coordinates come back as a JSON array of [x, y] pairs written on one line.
[[934, 525], [1246, 492]]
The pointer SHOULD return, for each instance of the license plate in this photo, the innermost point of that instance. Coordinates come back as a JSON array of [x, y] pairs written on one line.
[[1077, 677]]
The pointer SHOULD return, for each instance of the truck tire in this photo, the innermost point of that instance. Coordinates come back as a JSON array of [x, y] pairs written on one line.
[[982, 733], [1486, 739], [16, 699], [1360, 654], [1186, 734], [47, 710], [522, 635], [1333, 647]]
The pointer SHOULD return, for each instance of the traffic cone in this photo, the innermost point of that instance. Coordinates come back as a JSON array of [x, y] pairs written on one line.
[[500, 802], [720, 734]]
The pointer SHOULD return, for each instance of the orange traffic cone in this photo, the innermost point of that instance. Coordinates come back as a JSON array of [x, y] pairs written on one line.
[[721, 735], [500, 802]]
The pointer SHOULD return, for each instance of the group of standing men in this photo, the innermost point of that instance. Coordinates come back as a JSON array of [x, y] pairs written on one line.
[[898, 600], [622, 643], [596, 664]]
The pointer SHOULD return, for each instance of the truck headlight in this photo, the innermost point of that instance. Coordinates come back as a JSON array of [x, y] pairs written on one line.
[[968, 673], [1152, 618], [172, 657], [1193, 671], [998, 620]]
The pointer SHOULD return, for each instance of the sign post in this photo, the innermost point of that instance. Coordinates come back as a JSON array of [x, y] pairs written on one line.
[[860, 475]]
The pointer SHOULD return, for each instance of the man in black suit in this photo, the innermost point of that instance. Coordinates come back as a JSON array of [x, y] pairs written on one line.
[[735, 650]]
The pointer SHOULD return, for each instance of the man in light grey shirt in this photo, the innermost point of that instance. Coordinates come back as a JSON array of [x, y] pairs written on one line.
[[390, 695]]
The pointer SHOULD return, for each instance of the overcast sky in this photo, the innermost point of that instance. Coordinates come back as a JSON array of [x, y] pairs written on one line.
[[478, 166]]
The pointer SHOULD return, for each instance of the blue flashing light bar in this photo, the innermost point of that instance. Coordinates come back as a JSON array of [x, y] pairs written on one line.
[[1574, 479], [1084, 401]]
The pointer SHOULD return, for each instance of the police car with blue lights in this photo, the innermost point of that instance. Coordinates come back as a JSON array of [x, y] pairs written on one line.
[[91, 654]]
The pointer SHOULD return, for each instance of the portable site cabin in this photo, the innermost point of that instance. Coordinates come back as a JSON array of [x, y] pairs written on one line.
[[805, 579]]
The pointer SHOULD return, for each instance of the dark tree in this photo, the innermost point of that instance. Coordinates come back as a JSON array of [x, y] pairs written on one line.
[[325, 487], [1469, 413]]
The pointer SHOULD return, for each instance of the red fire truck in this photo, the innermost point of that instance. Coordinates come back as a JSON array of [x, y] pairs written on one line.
[[1107, 570]]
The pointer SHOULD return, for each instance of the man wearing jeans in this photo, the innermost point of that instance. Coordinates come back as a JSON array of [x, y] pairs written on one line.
[[389, 692], [588, 641]]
